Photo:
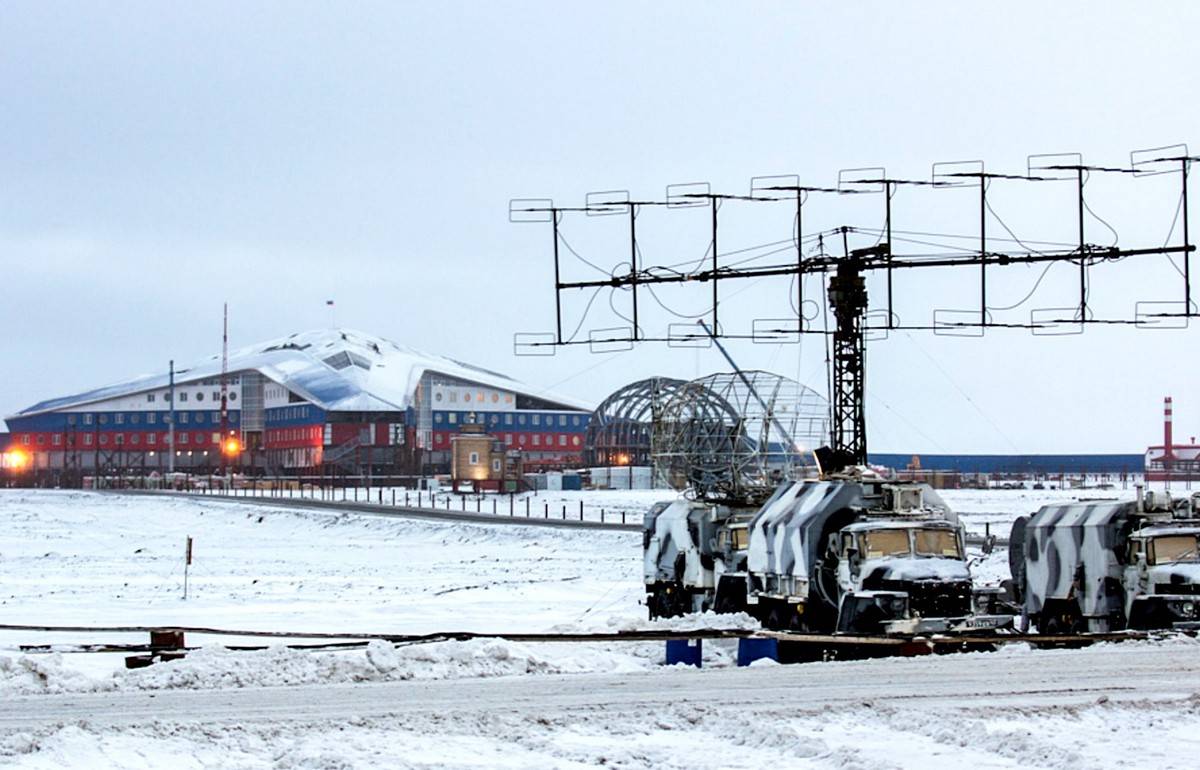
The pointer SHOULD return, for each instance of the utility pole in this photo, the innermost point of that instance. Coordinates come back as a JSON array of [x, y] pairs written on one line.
[[225, 446], [171, 419]]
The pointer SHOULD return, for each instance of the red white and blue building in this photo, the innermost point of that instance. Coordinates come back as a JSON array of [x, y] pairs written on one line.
[[304, 404]]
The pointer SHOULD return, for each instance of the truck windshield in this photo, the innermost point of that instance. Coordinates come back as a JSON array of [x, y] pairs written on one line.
[[936, 542], [885, 542], [1173, 548]]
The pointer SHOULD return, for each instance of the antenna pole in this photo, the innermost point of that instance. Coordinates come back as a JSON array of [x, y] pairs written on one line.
[[633, 264], [715, 282], [887, 193], [1082, 256], [1187, 243], [983, 316], [557, 281], [799, 261]]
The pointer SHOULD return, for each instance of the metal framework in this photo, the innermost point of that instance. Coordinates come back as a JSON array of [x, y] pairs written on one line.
[[734, 436], [844, 273], [619, 431]]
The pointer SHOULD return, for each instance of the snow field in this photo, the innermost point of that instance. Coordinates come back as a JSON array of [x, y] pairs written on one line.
[[94, 559]]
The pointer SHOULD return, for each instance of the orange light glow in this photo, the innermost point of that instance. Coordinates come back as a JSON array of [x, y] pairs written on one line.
[[232, 446], [17, 459]]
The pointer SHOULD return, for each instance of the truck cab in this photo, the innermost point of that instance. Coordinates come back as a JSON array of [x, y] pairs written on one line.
[[1162, 577], [905, 576]]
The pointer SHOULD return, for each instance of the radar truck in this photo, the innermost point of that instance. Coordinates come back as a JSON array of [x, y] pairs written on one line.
[[1106, 565], [850, 553]]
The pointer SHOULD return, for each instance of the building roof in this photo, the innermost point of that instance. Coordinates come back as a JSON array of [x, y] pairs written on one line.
[[339, 370]]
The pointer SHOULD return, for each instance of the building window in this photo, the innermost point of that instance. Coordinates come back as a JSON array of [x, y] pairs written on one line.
[[151, 438], [575, 440], [473, 458], [521, 438], [119, 418], [183, 437], [575, 421], [232, 396], [520, 419], [183, 418], [495, 465], [167, 396], [437, 397], [537, 439], [149, 398], [479, 397], [453, 397], [199, 418], [508, 398], [562, 421], [452, 418], [87, 419], [87, 439], [562, 440], [537, 419], [104, 419], [103, 439], [508, 419], [495, 398], [200, 396], [135, 439], [216, 438], [119, 439], [151, 418], [216, 395], [135, 418], [437, 418], [56, 439], [466, 396], [183, 396]]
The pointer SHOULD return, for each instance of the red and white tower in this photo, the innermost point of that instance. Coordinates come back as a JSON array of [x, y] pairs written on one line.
[[1168, 444]]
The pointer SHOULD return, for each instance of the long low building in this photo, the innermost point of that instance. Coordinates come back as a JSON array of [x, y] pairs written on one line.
[[324, 401]]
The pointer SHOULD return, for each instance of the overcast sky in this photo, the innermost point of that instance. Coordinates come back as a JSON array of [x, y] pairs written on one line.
[[157, 159]]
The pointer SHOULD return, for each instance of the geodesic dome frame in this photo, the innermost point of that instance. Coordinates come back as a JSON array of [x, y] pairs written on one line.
[[620, 429], [734, 436]]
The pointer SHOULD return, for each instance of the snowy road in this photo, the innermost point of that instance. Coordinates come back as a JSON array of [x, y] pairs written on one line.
[[1056, 709], [1132, 673]]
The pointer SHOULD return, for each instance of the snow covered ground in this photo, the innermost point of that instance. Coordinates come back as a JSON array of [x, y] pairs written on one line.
[[78, 558]]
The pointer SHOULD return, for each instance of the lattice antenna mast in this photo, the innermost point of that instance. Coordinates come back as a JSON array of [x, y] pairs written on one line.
[[846, 290]]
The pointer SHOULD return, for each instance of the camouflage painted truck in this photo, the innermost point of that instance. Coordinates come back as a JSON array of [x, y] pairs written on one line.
[[850, 553], [1104, 565]]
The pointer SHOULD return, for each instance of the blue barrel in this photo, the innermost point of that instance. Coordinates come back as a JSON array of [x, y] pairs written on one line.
[[686, 651], [750, 650]]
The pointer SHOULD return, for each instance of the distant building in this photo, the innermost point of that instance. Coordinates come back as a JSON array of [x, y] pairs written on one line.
[[318, 402], [1171, 461]]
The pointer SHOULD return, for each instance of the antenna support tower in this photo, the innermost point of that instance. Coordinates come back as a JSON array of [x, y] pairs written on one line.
[[845, 274]]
